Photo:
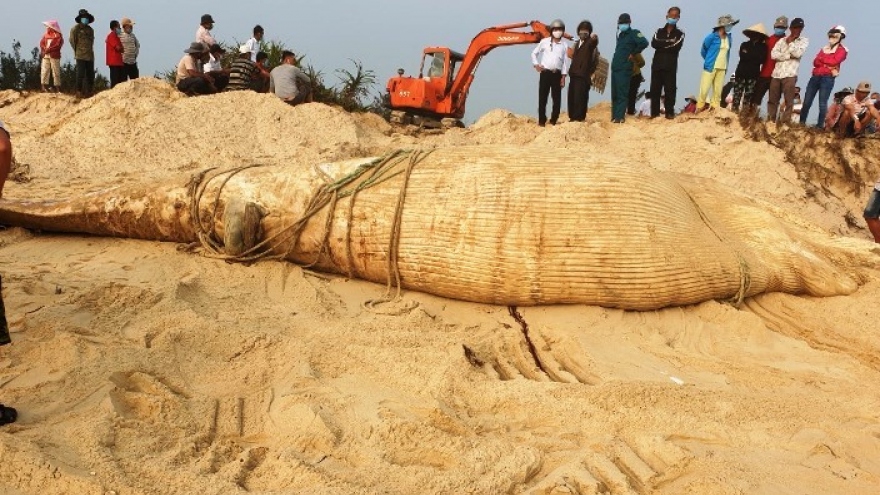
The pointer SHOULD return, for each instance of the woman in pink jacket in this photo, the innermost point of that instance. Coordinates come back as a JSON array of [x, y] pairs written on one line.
[[826, 66], [50, 55]]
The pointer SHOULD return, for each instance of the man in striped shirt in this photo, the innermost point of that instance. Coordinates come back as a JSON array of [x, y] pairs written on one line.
[[131, 47], [243, 71]]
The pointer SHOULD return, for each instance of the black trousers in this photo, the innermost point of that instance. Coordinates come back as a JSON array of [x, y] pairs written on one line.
[[762, 85], [85, 77], [578, 98], [550, 83], [117, 74], [194, 86], [663, 81], [131, 71], [634, 84]]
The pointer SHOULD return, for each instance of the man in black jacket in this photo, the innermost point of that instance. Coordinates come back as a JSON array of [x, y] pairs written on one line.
[[584, 56], [667, 44]]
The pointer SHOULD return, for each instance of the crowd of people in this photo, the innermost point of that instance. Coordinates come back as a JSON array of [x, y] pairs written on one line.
[[768, 67], [201, 70]]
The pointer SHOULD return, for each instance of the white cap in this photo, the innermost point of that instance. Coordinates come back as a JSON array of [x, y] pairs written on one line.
[[244, 49]]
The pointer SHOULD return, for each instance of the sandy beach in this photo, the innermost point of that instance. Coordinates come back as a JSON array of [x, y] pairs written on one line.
[[139, 368]]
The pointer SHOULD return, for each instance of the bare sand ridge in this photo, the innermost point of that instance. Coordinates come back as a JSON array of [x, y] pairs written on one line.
[[140, 369]]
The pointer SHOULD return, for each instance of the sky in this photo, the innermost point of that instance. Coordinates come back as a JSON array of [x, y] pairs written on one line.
[[385, 35]]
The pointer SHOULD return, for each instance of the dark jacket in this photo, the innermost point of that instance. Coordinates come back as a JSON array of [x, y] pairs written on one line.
[[629, 43], [751, 57], [666, 46], [584, 58], [82, 40]]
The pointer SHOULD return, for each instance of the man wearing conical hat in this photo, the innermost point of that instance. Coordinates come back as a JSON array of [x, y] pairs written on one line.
[[50, 56], [752, 54]]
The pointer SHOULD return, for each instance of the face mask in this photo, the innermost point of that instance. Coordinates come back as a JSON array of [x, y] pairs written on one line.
[[557, 34], [728, 28], [623, 27], [84, 21], [583, 35], [671, 21], [118, 31], [779, 31]]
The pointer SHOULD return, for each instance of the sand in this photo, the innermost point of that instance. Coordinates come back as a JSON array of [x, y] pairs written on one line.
[[142, 369]]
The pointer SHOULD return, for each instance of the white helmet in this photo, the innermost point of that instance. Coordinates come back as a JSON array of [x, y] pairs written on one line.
[[557, 24], [838, 29]]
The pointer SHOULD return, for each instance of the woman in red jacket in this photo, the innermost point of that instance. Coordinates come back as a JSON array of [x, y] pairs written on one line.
[[50, 56], [826, 66]]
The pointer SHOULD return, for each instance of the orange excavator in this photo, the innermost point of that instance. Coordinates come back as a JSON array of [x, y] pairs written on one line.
[[437, 98]]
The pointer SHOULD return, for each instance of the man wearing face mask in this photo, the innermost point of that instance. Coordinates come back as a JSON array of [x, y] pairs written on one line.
[[114, 49], [630, 42], [826, 67], [762, 85], [667, 44], [584, 57], [787, 53], [551, 61], [82, 40]]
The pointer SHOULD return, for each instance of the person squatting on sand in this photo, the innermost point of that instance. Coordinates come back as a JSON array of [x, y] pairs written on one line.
[[82, 41], [716, 57], [584, 55], [858, 112], [50, 56], [787, 53], [872, 212], [630, 42], [289, 82], [243, 72], [752, 54], [550, 59], [214, 67], [826, 67], [190, 77], [667, 43]]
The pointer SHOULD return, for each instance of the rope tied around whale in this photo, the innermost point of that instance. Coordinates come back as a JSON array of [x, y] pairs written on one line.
[[365, 176]]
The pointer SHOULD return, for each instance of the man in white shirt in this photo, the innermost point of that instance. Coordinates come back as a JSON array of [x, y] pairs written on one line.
[[214, 67], [5, 156], [253, 44], [787, 53], [551, 61], [203, 34], [645, 107]]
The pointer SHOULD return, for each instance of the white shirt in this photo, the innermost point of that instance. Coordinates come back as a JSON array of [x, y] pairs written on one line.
[[213, 64], [254, 46], [788, 57], [645, 108], [552, 55], [204, 37]]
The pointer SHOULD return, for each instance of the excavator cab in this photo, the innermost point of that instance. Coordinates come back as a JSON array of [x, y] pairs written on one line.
[[428, 94]]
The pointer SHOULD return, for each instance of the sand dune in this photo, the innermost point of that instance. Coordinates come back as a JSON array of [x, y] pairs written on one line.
[[142, 369]]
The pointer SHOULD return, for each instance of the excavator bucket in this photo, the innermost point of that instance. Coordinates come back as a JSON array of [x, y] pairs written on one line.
[[600, 75]]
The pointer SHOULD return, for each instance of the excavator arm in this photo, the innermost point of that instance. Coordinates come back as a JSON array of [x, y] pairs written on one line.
[[439, 95], [484, 42]]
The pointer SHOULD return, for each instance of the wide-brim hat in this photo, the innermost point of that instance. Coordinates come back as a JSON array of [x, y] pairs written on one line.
[[757, 29], [207, 19], [84, 13], [725, 20], [844, 92], [195, 47], [53, 25]]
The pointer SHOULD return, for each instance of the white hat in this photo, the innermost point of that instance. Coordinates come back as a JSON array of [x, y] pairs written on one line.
[[244, 49]]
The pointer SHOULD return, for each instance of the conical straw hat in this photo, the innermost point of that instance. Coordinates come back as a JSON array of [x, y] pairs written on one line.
[[756, 29]]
